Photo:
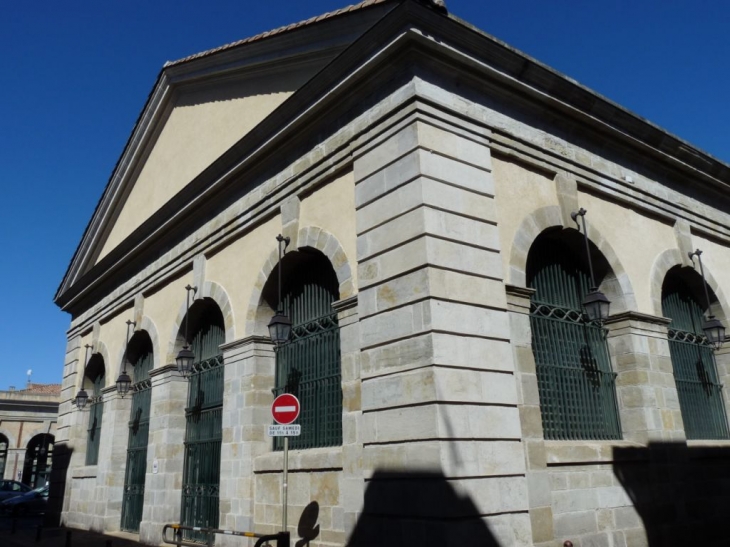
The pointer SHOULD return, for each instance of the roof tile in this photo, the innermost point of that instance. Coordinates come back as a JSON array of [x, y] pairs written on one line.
[[280, 30]]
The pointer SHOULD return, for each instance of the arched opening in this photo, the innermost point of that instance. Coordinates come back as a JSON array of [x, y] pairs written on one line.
[[140, 358], [4, 444], [308, 366], [203, 415], [576, 383], [693, 360], [37, 464], [93, 383]]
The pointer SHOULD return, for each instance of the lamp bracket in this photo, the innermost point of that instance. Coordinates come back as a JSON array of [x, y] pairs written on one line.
[[579, 213]]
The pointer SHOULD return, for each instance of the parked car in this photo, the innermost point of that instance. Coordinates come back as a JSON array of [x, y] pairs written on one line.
[[34, 501], [10, 489]]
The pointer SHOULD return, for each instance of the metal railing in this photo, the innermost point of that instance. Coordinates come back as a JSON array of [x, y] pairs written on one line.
[[281, 538]]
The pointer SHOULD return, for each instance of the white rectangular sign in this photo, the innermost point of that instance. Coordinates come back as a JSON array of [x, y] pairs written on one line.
[[278, 430]]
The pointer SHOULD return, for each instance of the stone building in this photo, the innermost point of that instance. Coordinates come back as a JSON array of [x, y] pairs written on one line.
[[454, 389], [27, 432]]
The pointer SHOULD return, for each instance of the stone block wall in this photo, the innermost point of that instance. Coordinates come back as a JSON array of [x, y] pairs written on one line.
[[163, 489], [439, 405]]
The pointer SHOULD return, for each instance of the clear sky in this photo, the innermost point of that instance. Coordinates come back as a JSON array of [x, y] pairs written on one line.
[[76, 74]]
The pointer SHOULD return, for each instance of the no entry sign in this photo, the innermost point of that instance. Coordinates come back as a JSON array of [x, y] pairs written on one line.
[[285, 408]]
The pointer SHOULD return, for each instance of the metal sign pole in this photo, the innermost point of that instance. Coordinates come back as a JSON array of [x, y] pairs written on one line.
[[284, 486]]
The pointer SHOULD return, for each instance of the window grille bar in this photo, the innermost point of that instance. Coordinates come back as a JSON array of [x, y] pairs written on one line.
[[139, 425], [309, 366], [695, 374], [96, 411], [576, 383], [203, 433]]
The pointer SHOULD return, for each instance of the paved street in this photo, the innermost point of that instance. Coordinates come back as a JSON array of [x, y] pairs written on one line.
[[26, 534]]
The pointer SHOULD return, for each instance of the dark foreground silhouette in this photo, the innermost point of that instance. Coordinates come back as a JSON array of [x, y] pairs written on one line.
[[681, 493], [404, 508]]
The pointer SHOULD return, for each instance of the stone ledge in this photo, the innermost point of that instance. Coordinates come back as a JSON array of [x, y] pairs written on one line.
[[86, 472], [581, 452], [708, 444], [301, 460]]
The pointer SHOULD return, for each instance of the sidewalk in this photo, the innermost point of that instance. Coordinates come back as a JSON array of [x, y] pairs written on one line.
[[25, 536]]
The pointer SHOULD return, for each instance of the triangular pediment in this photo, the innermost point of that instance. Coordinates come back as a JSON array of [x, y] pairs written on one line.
[[306, 83], [199, 108]]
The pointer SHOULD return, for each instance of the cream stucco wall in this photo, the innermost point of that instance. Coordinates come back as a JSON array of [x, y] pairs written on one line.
[[85, 340], [236, 269], [716, 262], [519, 192], [332, 208], [113, 334], [203, 124], [637, 240], [163, 307]]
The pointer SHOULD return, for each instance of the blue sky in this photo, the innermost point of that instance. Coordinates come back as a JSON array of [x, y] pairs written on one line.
[[76, 74]]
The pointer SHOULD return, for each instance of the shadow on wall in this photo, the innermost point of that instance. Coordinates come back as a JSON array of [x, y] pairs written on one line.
[[406, 508], [682, 494], [60, 463]]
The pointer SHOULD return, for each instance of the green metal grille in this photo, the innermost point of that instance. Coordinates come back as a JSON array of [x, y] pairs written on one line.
[[203, 434], [698, 388], [139, 426], [576, 384], [96, 410], [309, 366]]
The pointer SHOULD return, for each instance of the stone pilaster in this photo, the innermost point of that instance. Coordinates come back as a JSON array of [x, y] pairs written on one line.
[[538, 477], [439, 397], [722, 360], [249, 379], [645, 387], [163, 489], [352, 485], [67, 450], [112, 461]]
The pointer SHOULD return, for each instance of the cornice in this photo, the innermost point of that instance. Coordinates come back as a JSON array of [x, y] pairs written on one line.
[[345, 304], [311, 44], [248, 340], [166, 369], [637, 316], [521, 292], [409, 33]]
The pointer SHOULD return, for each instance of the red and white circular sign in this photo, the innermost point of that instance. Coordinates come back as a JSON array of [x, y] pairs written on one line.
[[285, 409]]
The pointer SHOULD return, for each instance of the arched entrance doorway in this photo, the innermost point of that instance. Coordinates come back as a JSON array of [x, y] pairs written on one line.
[[204, 419], [37, 464], [3, 454], [575, 378], [139, 355]]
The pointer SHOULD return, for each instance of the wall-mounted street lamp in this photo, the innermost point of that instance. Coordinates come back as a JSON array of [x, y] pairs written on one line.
[[280, 324], [712, 327], [186, 356], [82, 397], [595, 302], [124, 382]]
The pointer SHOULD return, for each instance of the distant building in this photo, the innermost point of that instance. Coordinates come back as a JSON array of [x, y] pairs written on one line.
[[454, 389], [27, 432]]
